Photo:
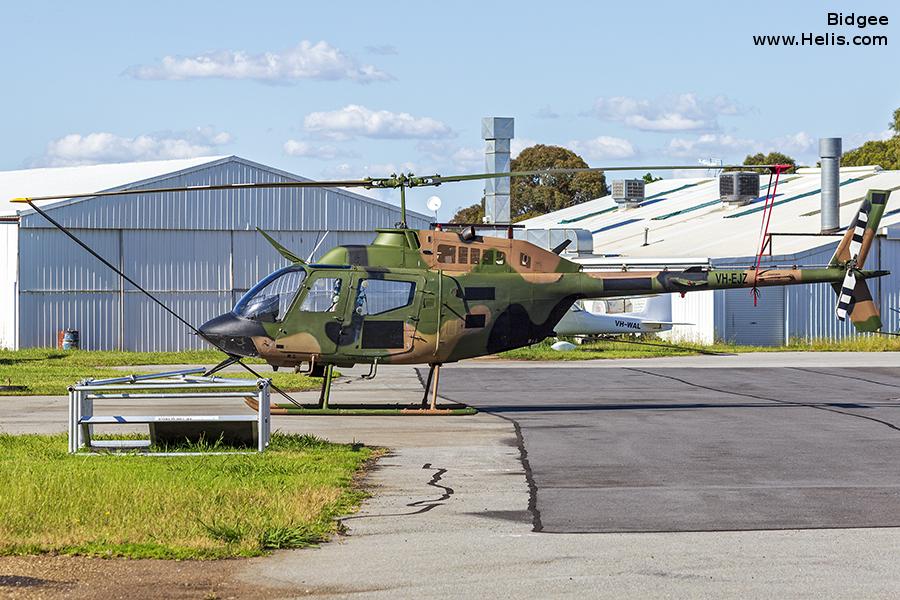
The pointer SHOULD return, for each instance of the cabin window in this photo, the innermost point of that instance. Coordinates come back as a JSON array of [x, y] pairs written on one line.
[[499, 258], [323, 295], [487, 257], [463, 255], [268, 301], [376, 296], [611, 306], [446, 253], [474, 256], [525, 260]]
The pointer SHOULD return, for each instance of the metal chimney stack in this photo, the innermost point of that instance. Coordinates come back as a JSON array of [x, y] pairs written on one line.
[[830, 155], [497, 133]]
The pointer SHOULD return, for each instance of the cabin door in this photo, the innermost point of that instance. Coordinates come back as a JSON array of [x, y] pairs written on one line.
[[384, 314]]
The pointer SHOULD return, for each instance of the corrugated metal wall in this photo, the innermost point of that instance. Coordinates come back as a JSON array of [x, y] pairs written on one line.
[[807, 311], [196, 252], [761, 324], [810, 308], [695, 308], [9, 235]]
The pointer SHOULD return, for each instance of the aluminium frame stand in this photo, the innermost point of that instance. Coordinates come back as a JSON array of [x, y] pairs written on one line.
[[186, 384]]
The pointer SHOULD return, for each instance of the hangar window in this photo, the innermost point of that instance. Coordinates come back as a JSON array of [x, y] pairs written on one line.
[[376, 296], [446, 253], [269, 300], [323, 295]]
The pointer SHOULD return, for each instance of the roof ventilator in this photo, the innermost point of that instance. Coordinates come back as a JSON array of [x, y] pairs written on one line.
[[628, 193], [738, 188]]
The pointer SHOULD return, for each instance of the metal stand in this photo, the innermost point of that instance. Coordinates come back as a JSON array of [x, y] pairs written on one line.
[[161, 385]]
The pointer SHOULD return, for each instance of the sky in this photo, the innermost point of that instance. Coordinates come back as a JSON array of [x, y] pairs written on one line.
[[354, 89]]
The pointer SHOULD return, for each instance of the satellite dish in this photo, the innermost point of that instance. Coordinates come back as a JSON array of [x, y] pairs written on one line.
[[433, 203]]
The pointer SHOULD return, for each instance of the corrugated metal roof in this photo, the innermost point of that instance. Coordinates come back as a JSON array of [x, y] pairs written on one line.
[[83, 179], [686, 218], [95, 178]]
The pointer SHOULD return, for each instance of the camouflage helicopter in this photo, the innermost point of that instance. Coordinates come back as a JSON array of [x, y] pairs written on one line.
[[440, 296]]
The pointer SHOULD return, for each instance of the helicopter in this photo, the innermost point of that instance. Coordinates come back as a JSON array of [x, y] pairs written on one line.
[[439, 296]]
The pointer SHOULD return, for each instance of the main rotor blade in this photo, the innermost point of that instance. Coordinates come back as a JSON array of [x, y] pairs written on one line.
[[203, 188], [394, 181], [439, 179]]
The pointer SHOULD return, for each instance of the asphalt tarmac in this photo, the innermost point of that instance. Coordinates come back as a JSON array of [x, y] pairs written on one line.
[[642, 449], [746, 476]]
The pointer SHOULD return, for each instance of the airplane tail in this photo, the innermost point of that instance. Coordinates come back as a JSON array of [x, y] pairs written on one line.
[[854, 297], [656, 309]]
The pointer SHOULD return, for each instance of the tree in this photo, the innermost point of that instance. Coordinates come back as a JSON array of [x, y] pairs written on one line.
[[772, 158], [469, 214], [541, 194], [885, 153], [649, 178]]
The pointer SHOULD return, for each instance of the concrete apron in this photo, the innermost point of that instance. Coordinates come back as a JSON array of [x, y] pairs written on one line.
[[449, 518], [414, 538]]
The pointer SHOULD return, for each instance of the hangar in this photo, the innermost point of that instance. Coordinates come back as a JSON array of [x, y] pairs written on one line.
[[683, 221], [198, 251]]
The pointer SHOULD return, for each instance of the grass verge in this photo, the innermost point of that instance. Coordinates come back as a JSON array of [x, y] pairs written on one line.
[[189, 507], [48, 372], [653, 348]]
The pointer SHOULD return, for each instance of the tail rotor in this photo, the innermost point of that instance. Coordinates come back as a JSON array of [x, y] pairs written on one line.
[[854, 300]]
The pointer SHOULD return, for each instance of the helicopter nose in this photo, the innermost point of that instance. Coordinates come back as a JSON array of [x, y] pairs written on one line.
[[233, 334]]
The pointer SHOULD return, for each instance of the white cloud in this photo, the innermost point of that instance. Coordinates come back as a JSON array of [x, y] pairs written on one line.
[[682, 112], [355, 120], [320, 151], [794, 143], [101, 147], [800, 145], [603, 147], [518, 144], [709, 144], [855, 140], [460, 158], [304, 61]]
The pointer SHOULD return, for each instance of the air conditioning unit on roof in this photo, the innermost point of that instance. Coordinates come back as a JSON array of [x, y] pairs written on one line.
[[628, 193], [737, 188]]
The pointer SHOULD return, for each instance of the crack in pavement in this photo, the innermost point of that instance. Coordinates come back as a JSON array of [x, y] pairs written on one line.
[[425, 505], [536, 524]]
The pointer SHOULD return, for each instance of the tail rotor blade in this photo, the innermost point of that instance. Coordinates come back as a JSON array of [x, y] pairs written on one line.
[[845, 297]]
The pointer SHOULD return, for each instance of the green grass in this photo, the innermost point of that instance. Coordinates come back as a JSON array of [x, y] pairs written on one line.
[[654, 348], [191, 507], [48, 372]]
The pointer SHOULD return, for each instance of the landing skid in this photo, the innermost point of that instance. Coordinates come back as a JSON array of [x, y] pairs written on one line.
[[323, 406]]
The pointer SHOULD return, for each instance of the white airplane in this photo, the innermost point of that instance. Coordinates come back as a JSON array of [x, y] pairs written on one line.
[[592, 318]]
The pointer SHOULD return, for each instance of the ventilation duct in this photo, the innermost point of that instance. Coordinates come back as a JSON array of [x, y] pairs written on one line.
[[830, 154]]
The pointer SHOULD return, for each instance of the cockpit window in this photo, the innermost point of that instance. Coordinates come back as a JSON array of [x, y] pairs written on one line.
[[269, 300]]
